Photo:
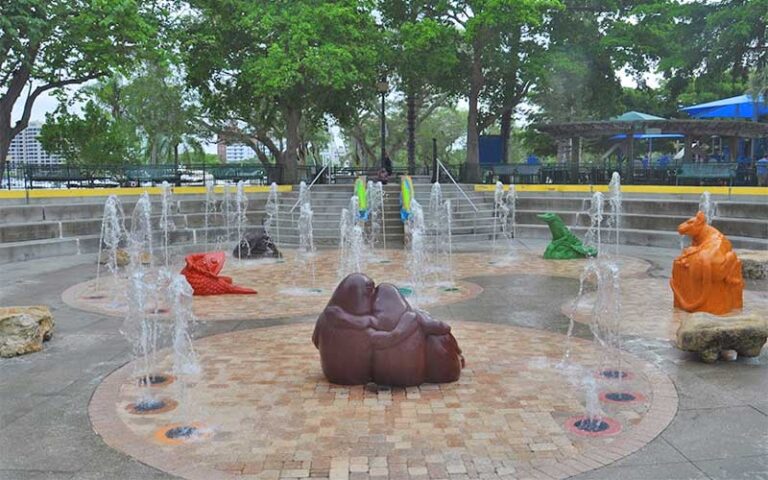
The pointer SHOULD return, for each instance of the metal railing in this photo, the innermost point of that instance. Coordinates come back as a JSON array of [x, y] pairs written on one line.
[[746, 174], [72, 176], [450, 177], [464, 194], [16, 176], [309, 187]]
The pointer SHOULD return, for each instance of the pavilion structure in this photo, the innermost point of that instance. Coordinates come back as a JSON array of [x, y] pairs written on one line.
[[629, 125]]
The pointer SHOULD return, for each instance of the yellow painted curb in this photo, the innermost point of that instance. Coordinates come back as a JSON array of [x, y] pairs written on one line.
[[657, 189], [128, 191]]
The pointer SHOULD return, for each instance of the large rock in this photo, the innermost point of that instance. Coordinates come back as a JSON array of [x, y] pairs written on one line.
[[710, 335], [256, 244], [23, 329], [754, 263]]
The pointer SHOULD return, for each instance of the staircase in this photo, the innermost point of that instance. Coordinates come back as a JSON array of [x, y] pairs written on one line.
[[327, 204], [648, 221], [68, 226], [471, 215], [72, 226]]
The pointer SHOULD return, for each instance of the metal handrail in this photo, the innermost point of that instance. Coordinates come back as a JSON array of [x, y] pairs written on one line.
[[309, 187], [471, 203]]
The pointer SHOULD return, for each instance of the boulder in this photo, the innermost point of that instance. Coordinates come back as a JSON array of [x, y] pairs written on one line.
[[23, 329], [256, 244], [754, 263], [710, 335]]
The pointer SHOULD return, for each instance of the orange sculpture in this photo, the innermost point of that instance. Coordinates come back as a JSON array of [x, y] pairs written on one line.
[[202, 272], [706, 277]]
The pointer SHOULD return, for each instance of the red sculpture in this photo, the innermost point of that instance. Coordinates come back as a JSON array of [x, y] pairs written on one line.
[[706, 277], [202, 272], [371, 334]]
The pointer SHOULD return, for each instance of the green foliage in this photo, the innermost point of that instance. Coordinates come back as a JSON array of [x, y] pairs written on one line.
[[501, 41], [279, 67], [144, 120], [448, 125], [49, 44], [93, 139], [578, 81], [156, 104]]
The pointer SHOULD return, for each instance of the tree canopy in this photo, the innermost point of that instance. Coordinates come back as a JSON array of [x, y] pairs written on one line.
[[50, 44], [274, 69], [275, 75]]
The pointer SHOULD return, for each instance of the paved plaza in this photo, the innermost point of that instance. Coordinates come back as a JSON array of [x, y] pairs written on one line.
[[265, 410]]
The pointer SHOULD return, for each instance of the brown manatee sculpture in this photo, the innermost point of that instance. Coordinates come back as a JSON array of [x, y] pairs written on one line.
[[371, 334]]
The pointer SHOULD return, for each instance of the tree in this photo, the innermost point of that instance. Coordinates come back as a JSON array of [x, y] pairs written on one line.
[[423, 52], [267, 70], [579, 79], [50, 44], [497, 37], [144, 118], [704, 50], [156, 104], [436, 120], [363, 128], [94, 139], [758, 90]]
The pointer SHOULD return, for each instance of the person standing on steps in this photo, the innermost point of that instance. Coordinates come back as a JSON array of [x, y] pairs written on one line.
[[388, 164]]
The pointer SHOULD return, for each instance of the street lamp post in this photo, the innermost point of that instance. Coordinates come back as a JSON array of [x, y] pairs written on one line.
[[383, 88]]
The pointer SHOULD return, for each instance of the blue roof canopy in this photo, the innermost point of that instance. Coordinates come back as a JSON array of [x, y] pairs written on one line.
[[653, 136], [740, 106]]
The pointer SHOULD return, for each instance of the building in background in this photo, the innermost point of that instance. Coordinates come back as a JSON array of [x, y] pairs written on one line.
[[26, 149], [234, 153]]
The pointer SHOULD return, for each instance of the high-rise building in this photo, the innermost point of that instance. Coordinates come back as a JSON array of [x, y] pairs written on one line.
[[26, 149], [234, 152], [238, 152]]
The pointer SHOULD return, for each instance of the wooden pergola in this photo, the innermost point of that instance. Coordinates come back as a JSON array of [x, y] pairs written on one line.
[[573, 131]]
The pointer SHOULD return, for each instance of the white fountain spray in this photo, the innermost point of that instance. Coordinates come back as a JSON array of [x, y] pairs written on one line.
[[210, 210], [113, 235], [498, 200], [614, 200], [166, 223], [185, 361], [449, 241], [434, 225], [186, 364], [140, 237], [707, 206], [306, 254], [417, 258], [272, 223], [602, 273], [593, 237], [352, 255], [504, 218], [511, 202], [241, 218], [228, 207], [375, 200], [141, 328], [440, 255]]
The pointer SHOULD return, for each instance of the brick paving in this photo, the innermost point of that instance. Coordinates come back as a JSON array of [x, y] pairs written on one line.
[[284, 287], [268, 413], [647, 308]]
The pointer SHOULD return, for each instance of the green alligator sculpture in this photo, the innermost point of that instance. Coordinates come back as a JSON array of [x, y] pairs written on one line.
[[565, 245]]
